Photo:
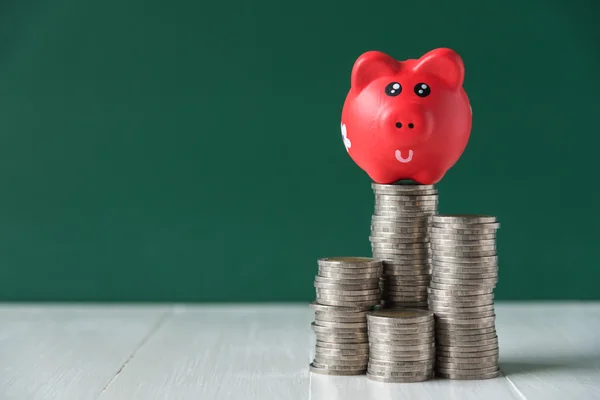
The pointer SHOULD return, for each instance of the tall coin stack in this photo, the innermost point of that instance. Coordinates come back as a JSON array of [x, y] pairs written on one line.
[[401, 345], [465, 273], [400, 238], [347, 287]]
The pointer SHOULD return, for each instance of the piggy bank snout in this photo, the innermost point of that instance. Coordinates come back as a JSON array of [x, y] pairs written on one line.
[[412, 122]]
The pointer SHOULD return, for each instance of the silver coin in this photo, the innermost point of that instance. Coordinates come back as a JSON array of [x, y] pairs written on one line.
[[392, 265], [456, 350], [475, 366], [341, 352], [378, 341], [445, 326], [455, 339], [400, 255], [393, 305], [399, 379], [403, 207], [422, 235], [338, 303], [341, 325], [406, 200], [401, 187], [470, 289], [468, 355], [349, 276], [379, 370], [459, 238], [461, 243], [412, 356], [401, 219], [327, 371], [417, 365], [400, 294], [343, 340], [462, 271], [439, 254], [333, 286], [468, 360], [400, 348], [463, 219], [391, 238], [456, 248], [475, 230], [345, 316], [398, 240], [351, 311], [392, 248], [353, 293], [453, 303], [351, 271], [461, 314], [414, 332], [402, 246], [347, 297], [342, 346], [441, 296], [417, 209], [348, 262], [327, 319], [453, 291], [361, 360], [463, 283], [466, 372], [391, 373], [397, 228], [328, 330], [464, 332], [493, 263], [400, 317], [322, 279], [461, 344], [337, 367], [424, 273], [456, 225], [490, 375]]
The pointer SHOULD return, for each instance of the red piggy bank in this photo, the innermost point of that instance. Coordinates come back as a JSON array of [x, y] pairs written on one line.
[[407, 120]]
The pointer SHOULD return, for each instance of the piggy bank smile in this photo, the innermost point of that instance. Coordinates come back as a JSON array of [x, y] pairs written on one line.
[[407, 119]]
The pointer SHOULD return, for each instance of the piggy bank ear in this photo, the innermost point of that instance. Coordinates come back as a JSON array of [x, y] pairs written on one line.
[[444, 63], [370, 66]]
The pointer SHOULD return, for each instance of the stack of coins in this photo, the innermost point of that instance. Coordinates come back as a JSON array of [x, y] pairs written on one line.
[[465, 273], [347, 287], [400, 238], [401, 345]]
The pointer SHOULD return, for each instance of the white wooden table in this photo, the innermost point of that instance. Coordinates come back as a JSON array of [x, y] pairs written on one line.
[[547, 351]]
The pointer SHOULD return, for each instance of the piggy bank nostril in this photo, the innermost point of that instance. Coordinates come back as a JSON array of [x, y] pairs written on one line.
[[398, 125], [411, 125]]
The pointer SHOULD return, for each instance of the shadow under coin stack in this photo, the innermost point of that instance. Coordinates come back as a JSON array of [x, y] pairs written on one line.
[[347, 287], [465, 273], [400, 238], [401, 345]]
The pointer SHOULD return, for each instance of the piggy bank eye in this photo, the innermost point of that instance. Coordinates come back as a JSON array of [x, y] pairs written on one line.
[[393, 89], [422, 89]]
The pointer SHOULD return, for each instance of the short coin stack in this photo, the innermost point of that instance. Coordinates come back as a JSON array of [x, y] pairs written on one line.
[[347, 287], [465, 273], [401, 345], [400, 237]]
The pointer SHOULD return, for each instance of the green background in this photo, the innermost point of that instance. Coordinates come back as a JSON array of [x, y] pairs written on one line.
[[190, 150]]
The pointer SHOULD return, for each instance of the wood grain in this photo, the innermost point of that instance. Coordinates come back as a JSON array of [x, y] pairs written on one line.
[[548, 351]]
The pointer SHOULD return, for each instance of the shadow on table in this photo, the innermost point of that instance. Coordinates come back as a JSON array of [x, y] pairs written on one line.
[[523, 366]]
